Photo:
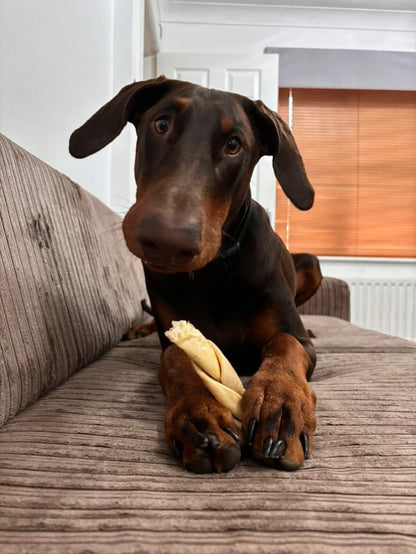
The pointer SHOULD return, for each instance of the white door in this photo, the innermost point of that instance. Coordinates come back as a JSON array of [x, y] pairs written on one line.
[[252, 76]]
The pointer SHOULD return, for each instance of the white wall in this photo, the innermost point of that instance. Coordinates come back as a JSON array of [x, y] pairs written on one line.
[[59, 62]]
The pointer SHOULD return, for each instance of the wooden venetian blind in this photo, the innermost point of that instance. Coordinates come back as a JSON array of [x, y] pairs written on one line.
[[359, 149]]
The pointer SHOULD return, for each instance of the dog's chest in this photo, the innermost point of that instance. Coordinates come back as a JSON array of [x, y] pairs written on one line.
[[223, 311]]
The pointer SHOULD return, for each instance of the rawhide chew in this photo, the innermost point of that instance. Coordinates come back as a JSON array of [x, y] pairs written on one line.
[[211, 365]]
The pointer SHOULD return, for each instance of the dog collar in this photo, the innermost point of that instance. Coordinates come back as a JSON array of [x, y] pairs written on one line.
[[227, 257]]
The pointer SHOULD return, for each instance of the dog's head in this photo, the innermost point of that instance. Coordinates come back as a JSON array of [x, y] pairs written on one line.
[[196, 151]]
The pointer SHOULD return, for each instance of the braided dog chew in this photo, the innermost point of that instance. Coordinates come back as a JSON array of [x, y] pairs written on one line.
[[216, 372]]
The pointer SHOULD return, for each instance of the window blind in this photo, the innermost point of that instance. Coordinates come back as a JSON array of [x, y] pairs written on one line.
[[359, 149]]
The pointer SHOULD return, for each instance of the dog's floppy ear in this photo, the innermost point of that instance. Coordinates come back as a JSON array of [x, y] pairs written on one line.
[[277, 140], [108, 122]]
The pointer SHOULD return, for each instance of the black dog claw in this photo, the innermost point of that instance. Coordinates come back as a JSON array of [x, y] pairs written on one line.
[[200, 441], [305, 444], [252, 426], [232, 433], [278, 449], [267, 446], [213, 440]]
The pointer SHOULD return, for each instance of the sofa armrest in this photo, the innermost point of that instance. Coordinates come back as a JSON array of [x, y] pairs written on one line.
[[332, 298]]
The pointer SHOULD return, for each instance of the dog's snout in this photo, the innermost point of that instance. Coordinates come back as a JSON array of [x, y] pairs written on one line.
[[167, 244]]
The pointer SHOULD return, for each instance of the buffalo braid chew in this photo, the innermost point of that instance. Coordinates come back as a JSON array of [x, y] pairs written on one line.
[[216, 372]]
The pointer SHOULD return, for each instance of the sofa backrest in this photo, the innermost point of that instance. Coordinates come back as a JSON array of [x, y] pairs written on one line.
[[69, 288], [332, 298]]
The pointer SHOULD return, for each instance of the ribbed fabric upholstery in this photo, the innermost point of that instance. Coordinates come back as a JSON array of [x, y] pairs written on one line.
[[87, 469], [338, 335], [332, 298], [69, 288]]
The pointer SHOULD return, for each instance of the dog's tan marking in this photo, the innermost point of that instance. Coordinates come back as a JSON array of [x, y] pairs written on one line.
[[182, 103], [227, 124]]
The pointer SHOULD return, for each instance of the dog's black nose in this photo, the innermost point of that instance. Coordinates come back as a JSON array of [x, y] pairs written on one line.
[[167, 244]]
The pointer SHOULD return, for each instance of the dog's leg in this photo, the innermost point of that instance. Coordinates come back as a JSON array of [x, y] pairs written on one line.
[[198, 428], [279, 406]]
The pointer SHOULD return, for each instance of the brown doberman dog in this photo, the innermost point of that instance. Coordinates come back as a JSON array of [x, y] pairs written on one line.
[[211, 257]]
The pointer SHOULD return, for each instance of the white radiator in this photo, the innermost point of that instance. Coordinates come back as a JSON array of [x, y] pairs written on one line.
[[387, 305]]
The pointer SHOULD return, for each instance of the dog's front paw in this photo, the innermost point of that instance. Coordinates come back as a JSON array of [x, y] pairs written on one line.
[[279, 418], [203, 434]]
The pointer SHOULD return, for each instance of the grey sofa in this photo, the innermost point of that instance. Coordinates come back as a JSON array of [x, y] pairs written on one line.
[[84, 467]]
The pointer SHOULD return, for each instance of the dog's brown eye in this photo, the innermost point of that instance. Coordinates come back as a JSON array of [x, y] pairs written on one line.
[[233, 146], [161, 125]]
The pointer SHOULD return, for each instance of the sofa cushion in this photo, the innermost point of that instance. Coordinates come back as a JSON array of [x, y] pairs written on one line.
[[87, 469], [336, 335], [332, 299], [69, 288]]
